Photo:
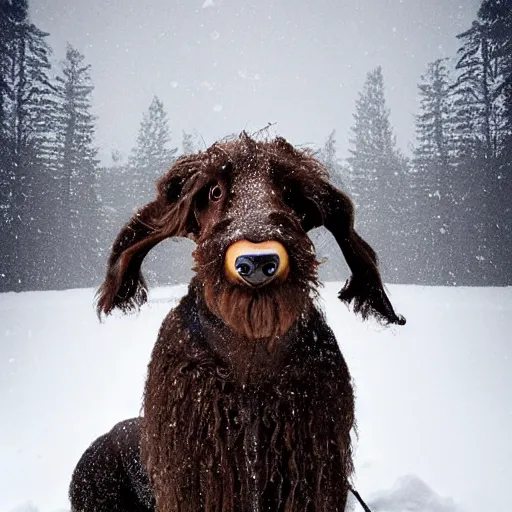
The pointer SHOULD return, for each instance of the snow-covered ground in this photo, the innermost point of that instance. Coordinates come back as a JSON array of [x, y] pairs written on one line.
[[434, 398]]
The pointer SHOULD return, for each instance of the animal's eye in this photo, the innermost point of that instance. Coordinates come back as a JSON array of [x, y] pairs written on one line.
[[216, 192]]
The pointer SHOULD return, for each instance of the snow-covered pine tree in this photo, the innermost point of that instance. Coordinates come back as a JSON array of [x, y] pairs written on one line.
[[477, 89], [187, 142], [372, 141], [379, 178], [483, 183], [26, 109], [434, 169], [152, 155], [497, 16], [8, 15], [328, 156], [190, 142], [76, 166], [434, 123], [476, 137]]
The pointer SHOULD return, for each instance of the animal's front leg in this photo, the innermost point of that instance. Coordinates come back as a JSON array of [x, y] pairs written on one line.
[[179, 424]]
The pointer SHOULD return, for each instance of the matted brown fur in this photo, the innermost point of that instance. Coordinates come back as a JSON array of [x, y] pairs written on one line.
[[109, 476], [248, 402]]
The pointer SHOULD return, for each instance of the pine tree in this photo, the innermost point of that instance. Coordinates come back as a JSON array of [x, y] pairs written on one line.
[[190, 143], [373, 142], [75, 178], [31, 92], [435, 177], [7, 23], [484, 184], [25, 109], [497, 15], [434, 124], [152, 155], [9, 14], [328, 156], [477, 90], [379, 176]]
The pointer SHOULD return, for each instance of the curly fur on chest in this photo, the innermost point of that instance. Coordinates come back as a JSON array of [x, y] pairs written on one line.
[[280, 444]]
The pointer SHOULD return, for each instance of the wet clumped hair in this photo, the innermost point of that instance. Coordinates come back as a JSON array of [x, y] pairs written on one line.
[[248, 402]]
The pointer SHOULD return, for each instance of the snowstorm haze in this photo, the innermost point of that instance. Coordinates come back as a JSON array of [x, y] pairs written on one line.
[[407, 104], [221, 66]]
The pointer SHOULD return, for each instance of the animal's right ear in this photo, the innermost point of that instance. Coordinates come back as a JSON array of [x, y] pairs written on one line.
[[168, 216], [364, 288]]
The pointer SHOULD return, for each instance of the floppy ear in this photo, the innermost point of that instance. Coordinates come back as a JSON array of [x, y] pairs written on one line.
[[319, 203], [364, 288], [169, 215]]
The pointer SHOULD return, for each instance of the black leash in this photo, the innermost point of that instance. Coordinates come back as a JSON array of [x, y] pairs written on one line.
[[361, 502]]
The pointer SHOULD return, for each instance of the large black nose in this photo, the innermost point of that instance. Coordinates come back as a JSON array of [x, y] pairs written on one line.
[[257, 269], [256, 264]]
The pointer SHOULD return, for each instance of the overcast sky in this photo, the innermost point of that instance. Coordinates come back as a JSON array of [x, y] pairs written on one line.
[[221, 66]]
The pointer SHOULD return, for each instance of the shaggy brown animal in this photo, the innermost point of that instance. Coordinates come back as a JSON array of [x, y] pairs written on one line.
[[109, 477], [248, 402]]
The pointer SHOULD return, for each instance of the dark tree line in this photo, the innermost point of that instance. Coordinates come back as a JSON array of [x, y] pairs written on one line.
[[445, 216], [59, 210], [442, 216], [50, 223], [466, 181]]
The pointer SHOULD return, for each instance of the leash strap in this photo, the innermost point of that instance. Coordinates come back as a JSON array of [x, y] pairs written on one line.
[[360, 500]]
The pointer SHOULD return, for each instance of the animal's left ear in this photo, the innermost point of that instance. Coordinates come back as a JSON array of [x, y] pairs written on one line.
[[364, 287], [167, 216]]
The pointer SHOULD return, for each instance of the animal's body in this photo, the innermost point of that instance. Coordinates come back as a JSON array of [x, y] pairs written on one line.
[[248, 402], [110, 475]]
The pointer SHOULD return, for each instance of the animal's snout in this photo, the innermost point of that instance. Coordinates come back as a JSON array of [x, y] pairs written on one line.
[[256, 264]]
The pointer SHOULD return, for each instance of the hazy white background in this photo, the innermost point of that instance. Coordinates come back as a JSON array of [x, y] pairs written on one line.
[[224, 65]]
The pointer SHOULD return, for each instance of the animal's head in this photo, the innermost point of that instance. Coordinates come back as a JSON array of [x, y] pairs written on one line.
[[248, 205]]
